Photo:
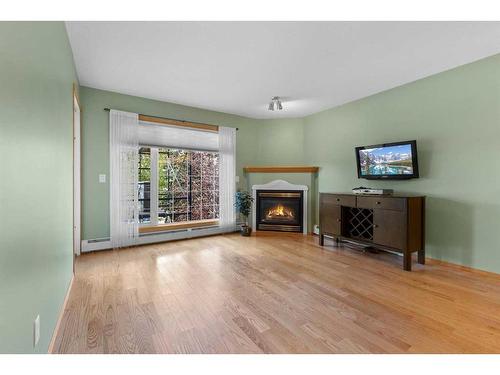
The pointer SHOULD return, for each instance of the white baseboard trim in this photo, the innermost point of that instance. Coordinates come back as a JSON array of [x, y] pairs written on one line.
[[59, 319]]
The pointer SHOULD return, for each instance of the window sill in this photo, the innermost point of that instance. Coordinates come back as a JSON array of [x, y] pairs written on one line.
[[176, 226]]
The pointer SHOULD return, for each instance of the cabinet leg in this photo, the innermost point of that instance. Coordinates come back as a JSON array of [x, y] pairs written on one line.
[[337, 241], [407, 261], [421, 256], [321, 240]]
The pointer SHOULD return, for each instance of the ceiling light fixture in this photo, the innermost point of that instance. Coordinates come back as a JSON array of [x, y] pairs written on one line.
[[275, 104]]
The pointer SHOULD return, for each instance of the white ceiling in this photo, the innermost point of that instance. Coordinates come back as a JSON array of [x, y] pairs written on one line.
[[236, 67]]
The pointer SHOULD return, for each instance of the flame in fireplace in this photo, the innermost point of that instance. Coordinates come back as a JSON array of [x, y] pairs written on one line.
[[280, 211]]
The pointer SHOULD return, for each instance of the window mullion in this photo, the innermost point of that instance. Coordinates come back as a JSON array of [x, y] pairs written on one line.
[[154, 186], [189, 186]]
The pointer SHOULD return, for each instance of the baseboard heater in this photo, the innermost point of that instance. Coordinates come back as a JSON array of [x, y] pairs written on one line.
[[95, 244], [147, 238], [152, 234], [97, 240]]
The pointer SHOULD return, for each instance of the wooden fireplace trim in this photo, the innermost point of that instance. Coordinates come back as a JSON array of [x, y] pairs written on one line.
[[281, 169]]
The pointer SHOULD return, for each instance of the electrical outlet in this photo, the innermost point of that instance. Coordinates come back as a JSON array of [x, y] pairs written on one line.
[[36, 331], [102, 178]]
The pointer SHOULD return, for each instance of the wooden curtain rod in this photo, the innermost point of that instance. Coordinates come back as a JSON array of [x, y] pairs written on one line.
[[171, 121]]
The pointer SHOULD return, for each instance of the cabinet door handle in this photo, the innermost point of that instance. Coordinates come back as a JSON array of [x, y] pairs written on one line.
[[338, 199], [375, 225], [339, 220], [378, 202]]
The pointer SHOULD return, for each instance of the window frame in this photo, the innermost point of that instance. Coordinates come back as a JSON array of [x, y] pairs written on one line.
[[154, 225], [139, 173]]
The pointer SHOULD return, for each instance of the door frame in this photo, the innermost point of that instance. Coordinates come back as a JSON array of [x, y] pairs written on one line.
[[77, 129]]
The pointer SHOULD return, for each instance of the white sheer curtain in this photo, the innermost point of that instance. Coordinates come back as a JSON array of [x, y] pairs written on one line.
[[124, 155], [227, 177]]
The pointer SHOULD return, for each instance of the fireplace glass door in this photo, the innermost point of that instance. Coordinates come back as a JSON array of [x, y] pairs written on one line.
[[279, 210]]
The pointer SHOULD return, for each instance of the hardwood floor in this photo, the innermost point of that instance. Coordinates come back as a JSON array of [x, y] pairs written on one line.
[[274, 293]]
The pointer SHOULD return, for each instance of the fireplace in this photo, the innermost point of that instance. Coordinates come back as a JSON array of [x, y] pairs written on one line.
[[280, 206], [279, 210]]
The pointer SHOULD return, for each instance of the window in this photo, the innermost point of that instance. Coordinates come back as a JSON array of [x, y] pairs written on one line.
[[177, 185], [144, 178]]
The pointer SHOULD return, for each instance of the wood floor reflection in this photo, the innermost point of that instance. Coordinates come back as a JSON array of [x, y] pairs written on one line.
[[274, 293]]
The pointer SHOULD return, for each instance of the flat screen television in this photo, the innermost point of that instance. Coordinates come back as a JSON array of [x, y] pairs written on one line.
[[390, 161]]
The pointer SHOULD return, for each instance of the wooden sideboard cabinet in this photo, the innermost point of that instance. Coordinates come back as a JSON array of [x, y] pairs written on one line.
[[388, 222]]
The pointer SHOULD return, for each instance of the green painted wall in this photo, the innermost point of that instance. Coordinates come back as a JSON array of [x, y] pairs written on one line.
[[36, 107], [280, 142], [455, 118]]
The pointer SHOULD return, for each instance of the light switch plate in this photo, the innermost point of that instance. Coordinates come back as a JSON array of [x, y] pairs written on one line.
[[102, 178], [36, 330], [237, 179]]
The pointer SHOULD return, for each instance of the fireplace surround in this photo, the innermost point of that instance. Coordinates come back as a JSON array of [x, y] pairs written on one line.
[[279, 210], [280, 206]]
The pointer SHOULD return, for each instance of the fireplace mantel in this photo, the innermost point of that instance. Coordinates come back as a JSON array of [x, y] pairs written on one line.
[[281, 169], [281, 185]]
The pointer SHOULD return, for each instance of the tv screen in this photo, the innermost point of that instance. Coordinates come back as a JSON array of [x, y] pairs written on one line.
[[396, 160]]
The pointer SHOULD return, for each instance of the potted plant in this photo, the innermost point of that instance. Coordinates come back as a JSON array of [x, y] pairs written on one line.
[[243, 204]]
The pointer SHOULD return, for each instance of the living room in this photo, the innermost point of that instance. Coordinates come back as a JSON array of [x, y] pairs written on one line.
[[256, 187]]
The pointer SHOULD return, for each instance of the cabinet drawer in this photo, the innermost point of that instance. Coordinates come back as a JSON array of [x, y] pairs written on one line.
[[398, 204], [338, 199]]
